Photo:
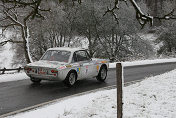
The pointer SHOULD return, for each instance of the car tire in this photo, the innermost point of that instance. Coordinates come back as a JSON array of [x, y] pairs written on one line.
[[70, 79], [102, 74], [35, 80]]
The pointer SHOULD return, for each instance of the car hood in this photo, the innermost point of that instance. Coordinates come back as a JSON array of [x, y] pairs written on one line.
[[47, 64]]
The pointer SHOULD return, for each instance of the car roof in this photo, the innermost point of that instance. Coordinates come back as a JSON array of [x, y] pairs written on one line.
[[67, 49]]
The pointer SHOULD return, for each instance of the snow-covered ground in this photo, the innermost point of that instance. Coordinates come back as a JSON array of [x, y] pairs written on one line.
[[6, 51], [13, 77], [6, 56], [143, 62], [155, 97], [148, 36], [151, 37]]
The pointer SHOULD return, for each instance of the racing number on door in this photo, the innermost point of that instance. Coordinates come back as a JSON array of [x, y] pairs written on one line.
[[84, 60]]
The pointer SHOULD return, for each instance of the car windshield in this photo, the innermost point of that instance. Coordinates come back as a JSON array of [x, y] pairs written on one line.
[[56, 55]]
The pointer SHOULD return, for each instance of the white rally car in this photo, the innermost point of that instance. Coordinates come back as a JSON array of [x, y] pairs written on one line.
[[67, 65]]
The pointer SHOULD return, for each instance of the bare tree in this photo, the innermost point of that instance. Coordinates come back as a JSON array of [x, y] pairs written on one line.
[[167, 41], [17, 14]]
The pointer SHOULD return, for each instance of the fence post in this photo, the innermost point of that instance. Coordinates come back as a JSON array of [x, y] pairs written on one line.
[[119, 90], [19, 69], [3, 72]]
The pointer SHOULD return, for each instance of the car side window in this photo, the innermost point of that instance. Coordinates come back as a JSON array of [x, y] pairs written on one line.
[[82, 56]]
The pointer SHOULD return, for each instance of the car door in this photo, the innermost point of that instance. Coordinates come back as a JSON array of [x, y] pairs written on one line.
[[86, 65]]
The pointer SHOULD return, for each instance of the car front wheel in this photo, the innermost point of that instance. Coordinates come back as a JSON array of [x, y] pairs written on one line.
[[102, 74], [70, 79]]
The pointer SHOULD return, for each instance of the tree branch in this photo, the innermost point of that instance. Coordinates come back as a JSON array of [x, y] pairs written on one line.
[[12, 19], [20, 2], [12, 41], [140, 16], [7, 26], [112, 11], [168, 16]]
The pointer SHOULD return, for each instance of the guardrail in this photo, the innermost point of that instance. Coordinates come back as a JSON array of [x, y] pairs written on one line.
[[2, 71]]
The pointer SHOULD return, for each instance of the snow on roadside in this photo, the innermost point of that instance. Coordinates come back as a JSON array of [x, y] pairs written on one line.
[[155, 97], [143, 62], [6, 51], [13, 77], [152, 98]]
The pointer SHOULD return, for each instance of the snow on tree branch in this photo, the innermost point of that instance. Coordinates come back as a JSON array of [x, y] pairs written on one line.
[[12, 18], [142, 18]]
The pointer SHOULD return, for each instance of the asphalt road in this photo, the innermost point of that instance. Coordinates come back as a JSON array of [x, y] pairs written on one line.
[[21, 94]]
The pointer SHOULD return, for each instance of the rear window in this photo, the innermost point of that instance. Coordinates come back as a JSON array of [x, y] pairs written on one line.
[[57, 55]]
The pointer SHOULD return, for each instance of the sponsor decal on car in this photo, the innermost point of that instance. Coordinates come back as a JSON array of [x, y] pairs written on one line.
[[103, 61], [68, 66], [75, 65], [97, 68], [62, 67], [78, 70]]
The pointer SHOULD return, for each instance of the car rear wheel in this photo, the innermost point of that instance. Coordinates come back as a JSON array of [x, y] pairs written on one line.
[[70, 79], [35, 80], [102, 74]]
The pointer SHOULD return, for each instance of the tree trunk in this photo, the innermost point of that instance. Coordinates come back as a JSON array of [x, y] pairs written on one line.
[[70, 36], [90, 43], [61, 37], [63, 44], [24, 32], [112, 46]]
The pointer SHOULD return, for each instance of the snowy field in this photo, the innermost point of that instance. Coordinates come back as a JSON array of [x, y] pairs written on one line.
[[155, 97], [6, 56], [6, 51]]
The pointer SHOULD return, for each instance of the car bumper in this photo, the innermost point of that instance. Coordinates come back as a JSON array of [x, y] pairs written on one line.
[[45, 77]]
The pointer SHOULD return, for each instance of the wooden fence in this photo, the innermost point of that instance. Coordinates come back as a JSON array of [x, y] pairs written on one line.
[[2, 71]]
